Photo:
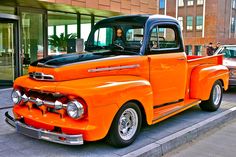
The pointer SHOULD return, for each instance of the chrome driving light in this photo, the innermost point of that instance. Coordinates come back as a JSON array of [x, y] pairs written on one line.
[[39, 102], [25, 98], [16, 96], [58, 105], [75, 109]]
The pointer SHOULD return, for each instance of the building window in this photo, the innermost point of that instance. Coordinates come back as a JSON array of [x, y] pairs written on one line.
[[198, 50], [85, 26], [199, 2], [7, 10], [72, 29], [233, 25], [180, 19], [190, 2], [62, 30], [181, 3], [233, 3], [32, 38], [162, 4], [199, 22], [50, 30], [188, 49], [189, 23]]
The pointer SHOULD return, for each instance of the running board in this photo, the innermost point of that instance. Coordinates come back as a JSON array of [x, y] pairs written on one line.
[[174, 111]]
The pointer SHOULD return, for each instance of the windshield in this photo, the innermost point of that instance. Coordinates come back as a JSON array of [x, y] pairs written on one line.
[[116, 38], [228, 52]]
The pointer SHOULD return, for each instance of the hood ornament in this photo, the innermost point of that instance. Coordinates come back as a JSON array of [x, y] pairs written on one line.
[[41, 76]]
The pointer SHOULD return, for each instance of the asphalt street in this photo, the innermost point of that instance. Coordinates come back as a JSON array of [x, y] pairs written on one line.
[[14, 144]]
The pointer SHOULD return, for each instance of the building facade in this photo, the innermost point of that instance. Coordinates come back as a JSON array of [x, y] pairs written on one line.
[[202, 22], [29, 28]]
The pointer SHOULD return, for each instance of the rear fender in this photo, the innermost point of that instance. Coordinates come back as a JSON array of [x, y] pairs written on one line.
[[204, 76]]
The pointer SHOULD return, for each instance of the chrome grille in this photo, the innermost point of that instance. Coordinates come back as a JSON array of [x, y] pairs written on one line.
[[52, 100], [41, 76]]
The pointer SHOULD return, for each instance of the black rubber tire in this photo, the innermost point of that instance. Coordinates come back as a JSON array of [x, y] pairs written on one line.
[[209, 104], [114, 137]]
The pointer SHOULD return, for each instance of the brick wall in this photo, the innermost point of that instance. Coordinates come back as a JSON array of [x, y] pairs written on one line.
[[217, 22], [121, 6]]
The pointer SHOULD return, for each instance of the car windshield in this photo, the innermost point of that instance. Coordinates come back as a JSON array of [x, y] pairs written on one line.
[[119, 36], [228, 51]]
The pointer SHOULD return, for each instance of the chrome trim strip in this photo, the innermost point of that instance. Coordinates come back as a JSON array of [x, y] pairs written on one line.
[[114, 68], [43, 134], [175, 111]]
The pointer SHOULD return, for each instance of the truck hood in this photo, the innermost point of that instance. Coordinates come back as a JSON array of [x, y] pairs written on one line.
[[77, 66]]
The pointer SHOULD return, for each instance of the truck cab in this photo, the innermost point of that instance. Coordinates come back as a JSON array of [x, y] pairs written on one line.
[[134, 71]]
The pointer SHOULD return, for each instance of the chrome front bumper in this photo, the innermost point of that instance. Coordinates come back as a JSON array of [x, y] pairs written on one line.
[[42, 134]]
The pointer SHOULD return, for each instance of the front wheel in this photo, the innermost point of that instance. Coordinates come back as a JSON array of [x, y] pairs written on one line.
[[125, 126], [213, 103]]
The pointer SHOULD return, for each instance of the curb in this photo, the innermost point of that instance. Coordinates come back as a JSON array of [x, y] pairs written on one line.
[[5, 89], [166, 144]]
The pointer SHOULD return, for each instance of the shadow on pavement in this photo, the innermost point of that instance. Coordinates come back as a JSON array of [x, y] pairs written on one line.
[[231, 89]]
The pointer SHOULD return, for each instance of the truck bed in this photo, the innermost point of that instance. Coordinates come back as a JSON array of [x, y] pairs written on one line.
[[205, 59], [194, 61]]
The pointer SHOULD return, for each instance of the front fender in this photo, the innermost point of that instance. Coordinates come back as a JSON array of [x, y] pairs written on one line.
[[203, 78], [105, 95]]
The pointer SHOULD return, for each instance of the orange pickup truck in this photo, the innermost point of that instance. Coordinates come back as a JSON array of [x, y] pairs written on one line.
[[134, 71]]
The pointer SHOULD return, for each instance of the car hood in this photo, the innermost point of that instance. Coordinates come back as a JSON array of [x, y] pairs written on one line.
[[77, 66]]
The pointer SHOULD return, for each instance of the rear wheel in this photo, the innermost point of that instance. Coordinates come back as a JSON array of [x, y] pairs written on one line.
[[213, 103], [126, 125]]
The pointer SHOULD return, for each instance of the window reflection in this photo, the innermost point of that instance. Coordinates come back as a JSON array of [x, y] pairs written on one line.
[[32, 38], [62, 33]]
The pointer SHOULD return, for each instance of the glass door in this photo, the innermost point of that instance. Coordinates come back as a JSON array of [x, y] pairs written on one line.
[[7, 53], [32, 39]]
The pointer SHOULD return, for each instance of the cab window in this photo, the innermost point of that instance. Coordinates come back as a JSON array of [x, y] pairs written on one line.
[[134, 35], [163, 38], [103, 36]]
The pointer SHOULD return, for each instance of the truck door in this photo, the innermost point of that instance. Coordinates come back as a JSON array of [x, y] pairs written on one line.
[[168, 64]]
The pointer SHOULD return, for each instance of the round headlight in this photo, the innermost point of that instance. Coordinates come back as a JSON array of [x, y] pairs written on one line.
[[16, 96], [75, 109]]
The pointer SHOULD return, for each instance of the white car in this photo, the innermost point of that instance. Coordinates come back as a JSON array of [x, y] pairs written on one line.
[[229, 52]]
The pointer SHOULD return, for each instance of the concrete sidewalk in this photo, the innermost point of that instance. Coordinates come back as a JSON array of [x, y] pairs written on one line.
[[219, 142], [153, 140], [5, 98]]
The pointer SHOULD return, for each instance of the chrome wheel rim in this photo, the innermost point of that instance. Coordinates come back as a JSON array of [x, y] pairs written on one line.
[[128, 124], [217, 94]]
